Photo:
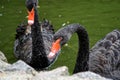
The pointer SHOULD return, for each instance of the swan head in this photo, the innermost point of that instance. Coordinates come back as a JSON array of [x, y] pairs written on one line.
[[30, 3], [60, 38], [55, 48], [55, 51]]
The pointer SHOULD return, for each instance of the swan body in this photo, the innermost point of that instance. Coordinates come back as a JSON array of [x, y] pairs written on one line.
[[104, 57], [23, 43]]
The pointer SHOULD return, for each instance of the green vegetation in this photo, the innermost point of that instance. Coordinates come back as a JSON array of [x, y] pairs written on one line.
[[98, 16]]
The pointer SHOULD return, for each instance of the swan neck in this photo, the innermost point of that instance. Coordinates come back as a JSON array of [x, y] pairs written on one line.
[[39, 59], [83, 52]]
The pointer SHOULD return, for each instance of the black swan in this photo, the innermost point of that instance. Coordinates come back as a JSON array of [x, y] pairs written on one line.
[[103, 58], [34, 40]]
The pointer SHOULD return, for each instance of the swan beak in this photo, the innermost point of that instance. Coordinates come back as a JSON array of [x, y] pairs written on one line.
[[55, 48], [31, 17]]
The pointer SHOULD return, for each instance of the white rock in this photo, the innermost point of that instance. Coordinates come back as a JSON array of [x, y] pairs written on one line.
[[21, 71], [18, 75], [2, 57], [59, 78], [3, 65], [90, 76], [61, 71], [21, 66]]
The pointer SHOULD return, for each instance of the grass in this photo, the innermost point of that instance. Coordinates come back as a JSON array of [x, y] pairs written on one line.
[[98, 16]]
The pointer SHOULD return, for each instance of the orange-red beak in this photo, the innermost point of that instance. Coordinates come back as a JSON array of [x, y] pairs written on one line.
[[31, 16], [55, 48]]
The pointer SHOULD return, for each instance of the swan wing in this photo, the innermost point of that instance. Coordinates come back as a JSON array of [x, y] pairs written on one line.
[[104, 56]]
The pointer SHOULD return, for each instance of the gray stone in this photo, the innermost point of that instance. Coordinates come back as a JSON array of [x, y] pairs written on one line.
[[3, 65], [20, 66], [21, 71], [62, 74], [60, 71], [90, 76], [2, 57], [56, 74], [17, 75]]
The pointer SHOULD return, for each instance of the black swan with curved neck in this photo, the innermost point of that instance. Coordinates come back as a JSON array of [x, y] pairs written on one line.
[[83, 53], [103, 58]]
